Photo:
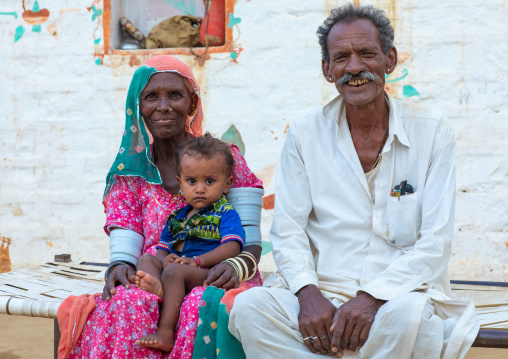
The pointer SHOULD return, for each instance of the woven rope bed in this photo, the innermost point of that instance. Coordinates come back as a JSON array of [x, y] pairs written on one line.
[[38, 291]]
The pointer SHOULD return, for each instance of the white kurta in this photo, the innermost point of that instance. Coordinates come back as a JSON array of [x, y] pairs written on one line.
[[328, 232]]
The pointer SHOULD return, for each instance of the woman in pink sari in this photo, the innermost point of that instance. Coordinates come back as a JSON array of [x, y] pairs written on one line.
[[163, 109]]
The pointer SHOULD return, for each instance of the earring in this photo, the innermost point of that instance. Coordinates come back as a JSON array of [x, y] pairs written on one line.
[[193, 107], [330, 78], [388, 70]]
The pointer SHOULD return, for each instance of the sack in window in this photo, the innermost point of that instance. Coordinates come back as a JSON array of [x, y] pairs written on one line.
[[177, 31]]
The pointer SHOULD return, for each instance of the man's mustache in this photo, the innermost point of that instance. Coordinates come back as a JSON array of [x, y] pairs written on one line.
[[363, 75]]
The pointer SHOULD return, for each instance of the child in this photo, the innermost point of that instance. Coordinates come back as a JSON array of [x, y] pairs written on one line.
[[204, 233]]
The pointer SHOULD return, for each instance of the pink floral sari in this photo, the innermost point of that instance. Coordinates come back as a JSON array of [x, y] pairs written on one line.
[[113, 327]]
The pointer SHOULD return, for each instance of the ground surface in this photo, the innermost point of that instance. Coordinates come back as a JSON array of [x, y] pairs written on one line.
[[26, 337]]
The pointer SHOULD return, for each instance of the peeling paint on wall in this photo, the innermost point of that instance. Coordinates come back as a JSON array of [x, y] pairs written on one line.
[[53, 30], [63, 11], [266, 175], [16, 210], [5, 259]]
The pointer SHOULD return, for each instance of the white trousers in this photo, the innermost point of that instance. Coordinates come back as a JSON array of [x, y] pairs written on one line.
[[265, 321]]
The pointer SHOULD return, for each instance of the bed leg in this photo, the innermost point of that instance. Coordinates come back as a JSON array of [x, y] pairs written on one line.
[[56, 339]]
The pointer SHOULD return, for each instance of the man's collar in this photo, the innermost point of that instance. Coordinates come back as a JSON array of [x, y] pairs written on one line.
[[396, 127], [334, 109]]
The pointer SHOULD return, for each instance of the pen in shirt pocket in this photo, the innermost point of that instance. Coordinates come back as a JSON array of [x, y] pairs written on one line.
[[401, 189]]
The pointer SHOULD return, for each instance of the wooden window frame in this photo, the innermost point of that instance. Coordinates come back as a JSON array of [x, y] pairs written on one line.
[[228, 46]]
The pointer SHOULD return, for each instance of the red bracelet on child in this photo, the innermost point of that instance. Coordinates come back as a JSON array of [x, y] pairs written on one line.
[[198, 261]]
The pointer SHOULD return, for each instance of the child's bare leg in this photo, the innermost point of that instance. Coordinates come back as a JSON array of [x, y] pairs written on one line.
[[177, 280], [148, 276]]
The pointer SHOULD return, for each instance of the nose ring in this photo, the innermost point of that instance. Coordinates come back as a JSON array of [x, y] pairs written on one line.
[[170, 109]]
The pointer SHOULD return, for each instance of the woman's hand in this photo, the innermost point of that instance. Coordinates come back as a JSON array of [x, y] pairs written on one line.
[[222, 276], [315, 320], [122, 274]]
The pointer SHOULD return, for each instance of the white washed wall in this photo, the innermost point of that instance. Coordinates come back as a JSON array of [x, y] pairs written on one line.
[[61, 114]]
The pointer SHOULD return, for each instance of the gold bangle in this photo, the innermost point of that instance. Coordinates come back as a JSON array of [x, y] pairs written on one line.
[[254, 262], [239, 266], [254, 271], [248, 255], [245, 268]]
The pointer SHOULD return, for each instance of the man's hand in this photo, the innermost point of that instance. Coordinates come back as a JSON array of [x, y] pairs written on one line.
[[352, 322], [315, 319], [186, 260], [122, 274], [170, 258]]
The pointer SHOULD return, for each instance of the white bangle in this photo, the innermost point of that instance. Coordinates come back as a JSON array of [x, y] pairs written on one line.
[[125, 245]]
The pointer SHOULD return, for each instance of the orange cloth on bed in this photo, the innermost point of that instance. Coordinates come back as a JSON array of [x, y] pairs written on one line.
[[72, 316]]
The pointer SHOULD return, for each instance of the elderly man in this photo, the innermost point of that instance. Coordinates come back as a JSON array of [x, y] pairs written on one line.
[[364, 207]]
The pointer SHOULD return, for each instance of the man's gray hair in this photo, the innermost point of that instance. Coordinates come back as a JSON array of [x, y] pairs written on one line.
[[348, 13]]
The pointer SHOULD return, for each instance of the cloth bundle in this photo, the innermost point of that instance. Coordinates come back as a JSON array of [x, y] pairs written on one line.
[[177, 31]]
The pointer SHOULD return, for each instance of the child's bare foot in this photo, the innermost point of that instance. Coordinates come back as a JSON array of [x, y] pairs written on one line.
[[157, 341], [148, 283]]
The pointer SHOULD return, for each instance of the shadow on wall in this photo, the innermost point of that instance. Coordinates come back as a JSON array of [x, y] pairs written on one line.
[[5, 259]]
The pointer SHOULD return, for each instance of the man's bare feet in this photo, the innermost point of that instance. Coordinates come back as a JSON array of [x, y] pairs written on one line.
[[148, 283], [157, 341]]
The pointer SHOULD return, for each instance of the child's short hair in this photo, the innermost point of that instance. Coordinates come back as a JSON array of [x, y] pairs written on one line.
[[207, 147]]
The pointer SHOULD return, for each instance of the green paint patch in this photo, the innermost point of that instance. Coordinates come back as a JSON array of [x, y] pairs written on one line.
[[36, 7], [267, 247], [233, 55], [98, 62], [96, 13], [20, 30], [232, 135], [97, 41], [405, 72], [12, 13], [409, 91], [36, 28], [233, 20], [184, 7]]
